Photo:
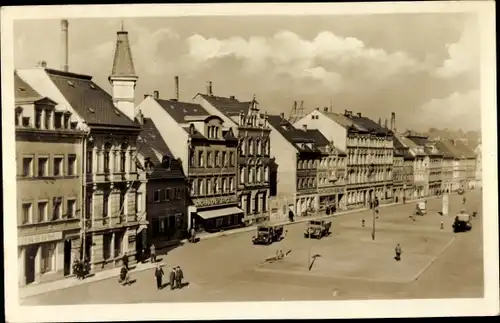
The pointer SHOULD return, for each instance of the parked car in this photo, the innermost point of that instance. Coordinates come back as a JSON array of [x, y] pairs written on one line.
[[317, 229], [462, 222], [267, 234]]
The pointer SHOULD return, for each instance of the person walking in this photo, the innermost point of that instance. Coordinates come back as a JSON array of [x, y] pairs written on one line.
[[125, 260], [179, 275], [290, 215], [152, 250], [172, 278], [398, 252], [159, 276]]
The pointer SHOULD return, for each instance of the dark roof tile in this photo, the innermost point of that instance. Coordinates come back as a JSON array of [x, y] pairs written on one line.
[[180, 110]]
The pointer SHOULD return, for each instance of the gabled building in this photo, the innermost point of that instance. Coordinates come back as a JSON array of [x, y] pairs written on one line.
[[420, 167], [167, 189], [297, 159], [114, 212], [369, 150], [399, 176], [207, 153], [49, 151], [468, 159], [252, 130], [448, 164], [331, 174]]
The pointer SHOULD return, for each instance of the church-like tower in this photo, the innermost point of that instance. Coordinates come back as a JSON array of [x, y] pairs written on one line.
[[123, 77]]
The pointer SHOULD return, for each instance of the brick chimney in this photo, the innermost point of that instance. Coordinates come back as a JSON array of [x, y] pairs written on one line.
[[393, 121], [65, 45], [176, 80], [156, 94], [282, 115], [209, 88]]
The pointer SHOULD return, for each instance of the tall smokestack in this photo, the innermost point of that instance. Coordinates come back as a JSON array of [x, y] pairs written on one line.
[[210, 91], [65, 45], [393, 121], [385, 123], [177, 88]]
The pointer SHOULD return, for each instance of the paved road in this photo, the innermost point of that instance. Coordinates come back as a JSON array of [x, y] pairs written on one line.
[[227, 268]]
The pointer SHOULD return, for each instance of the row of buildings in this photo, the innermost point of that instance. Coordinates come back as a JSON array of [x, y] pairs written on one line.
[[100, 177]]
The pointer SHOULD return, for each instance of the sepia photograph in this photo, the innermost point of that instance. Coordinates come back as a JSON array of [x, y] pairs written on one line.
[[250, 161]]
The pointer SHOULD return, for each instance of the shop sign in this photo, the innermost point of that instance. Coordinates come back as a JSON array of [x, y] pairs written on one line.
[[40, 238]]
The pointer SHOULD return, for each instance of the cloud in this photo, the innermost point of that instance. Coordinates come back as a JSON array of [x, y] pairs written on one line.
[[463, 56], [458, 110], [323, 58]]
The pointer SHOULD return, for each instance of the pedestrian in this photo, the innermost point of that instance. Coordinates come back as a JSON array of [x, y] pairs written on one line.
[[159, 276], [179, 275], [464, 200], [152, 250], [290, 215], [172, 278], [125, 260], [143, 255], [442, 225], [193, 235], [398, 252], [362, 223]]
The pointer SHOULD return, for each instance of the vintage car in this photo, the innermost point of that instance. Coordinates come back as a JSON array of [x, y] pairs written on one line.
[[462, 222], [267, 234], [317, 229], [421, 208]]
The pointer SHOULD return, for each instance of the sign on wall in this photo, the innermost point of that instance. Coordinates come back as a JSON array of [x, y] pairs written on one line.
[[40, 238]]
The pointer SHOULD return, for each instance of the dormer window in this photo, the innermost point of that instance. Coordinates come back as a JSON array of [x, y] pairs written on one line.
[[58, 120], [67, 116], [166, 162], [19, 112], [48, 119], [38, 118]]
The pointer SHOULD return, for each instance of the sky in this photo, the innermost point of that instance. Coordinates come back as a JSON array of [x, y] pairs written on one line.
[[423, 67]]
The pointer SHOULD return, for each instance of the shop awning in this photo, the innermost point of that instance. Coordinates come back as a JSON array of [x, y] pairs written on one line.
[[219, 212]]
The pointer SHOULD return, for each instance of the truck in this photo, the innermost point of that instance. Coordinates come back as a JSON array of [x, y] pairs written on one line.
[[267, 234], [317, 229], [462, 222]]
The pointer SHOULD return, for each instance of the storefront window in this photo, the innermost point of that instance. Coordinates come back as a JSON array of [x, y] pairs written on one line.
[[48, 257]]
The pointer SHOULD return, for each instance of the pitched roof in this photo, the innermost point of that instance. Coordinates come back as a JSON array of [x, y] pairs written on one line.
[[23, 92], [293, 135], [229, 106], [89, 100], [343, 120], [464, 149], [412, 145], [370, 125], [447, 150], [180, 110], [153, 147], [123, 64]]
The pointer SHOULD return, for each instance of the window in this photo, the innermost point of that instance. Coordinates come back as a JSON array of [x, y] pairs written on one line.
[[66, 121], [231, 159], [242, 175], [191, 158], [201, 190], [26, 213], [58, 166], [71, 165], [209, 186], [42, 166], [42, 211], [121, 203], [105, 204], [38, 119], [48, 257], [27, 166], [70, 208], [26, 121], [156, 196], [266, 174], [209, 159], [166, 196], [193, 187], [118, 243], [250, 147], [48, 115], [58, 120], [200, 159], [107, 149], [138, 202], [57, 208], [217, 161], [224, 161], [231, 184], [257, 143], [123, 160], [250, 175], [89, 161]]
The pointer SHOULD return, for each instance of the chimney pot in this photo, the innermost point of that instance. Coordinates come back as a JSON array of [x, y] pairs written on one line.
[[146, 96], [209, 88], [156, 94], [359, 114], [304, 127], [385, 123], [325, 109], [232, 97], [282, 115]]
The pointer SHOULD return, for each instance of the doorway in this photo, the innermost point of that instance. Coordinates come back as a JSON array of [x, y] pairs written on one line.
[[29, 264], [67, 257]]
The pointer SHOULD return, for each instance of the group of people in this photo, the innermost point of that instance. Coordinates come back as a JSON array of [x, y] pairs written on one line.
[[175, 277]]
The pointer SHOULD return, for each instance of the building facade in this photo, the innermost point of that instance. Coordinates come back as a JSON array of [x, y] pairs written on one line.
[[114, 189], [398, 178], [447, 168], [369, 149], [207, 153], [420, 165], [253, 133], [49, 186], [468, 159], [167, 189], [297, 159], [331, 172]]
